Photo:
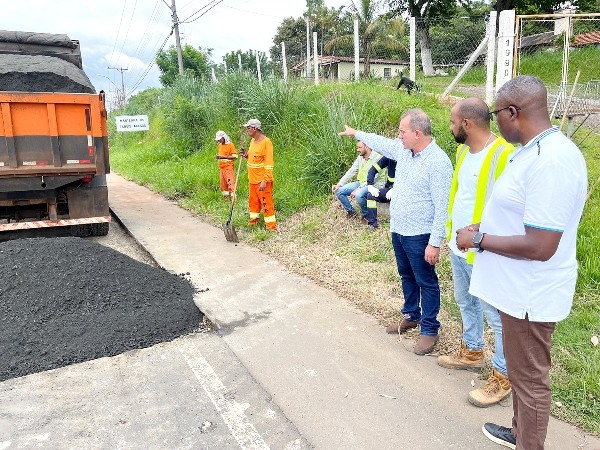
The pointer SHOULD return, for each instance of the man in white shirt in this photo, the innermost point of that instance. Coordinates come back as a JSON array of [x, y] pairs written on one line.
[[418, 211], [480, 159], [527, 268]]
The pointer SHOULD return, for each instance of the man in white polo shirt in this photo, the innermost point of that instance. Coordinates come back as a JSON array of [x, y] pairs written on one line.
[[527, 239]]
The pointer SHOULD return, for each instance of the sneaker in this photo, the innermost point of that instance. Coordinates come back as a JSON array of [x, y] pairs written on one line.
[[495, 389], [425, 344], [499, 435], [466, 359]]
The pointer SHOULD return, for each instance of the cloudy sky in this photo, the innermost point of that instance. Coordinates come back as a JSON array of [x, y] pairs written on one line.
[[128, 33]]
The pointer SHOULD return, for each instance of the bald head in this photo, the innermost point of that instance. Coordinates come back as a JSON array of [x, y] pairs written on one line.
[[522, 109], [475, 110], [527, 92]]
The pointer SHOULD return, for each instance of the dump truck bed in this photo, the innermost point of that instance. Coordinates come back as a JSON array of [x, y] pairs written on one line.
[[53, 154]]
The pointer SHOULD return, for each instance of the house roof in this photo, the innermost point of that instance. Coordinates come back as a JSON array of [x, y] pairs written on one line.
[[328, 60], [587, 38], [537, 39]]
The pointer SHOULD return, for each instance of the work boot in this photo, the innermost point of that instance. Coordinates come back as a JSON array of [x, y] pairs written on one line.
[[466, 359], [425, 344], [402, 327], [495, 389]]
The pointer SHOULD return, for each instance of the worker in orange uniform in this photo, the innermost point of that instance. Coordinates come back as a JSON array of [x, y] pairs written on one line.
[[226, 157], [260, 176]]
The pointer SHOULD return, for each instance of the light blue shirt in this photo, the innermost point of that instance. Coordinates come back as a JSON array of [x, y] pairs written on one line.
[[419, 203]]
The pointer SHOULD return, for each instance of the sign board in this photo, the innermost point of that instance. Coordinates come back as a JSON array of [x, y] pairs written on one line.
[[132, 123], [506, 44]]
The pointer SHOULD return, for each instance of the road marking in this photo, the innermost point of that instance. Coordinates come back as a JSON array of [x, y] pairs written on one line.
[[232, 412]]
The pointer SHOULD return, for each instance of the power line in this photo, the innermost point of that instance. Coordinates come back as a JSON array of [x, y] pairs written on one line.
[[206, 8], [145, 73], [119, 29], [126, 33]]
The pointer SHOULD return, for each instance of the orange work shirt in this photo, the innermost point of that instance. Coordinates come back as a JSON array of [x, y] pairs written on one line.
[[226, 150], [260, 161]]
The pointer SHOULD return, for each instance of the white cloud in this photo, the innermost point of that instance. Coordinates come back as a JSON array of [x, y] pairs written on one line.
[[127, 33]]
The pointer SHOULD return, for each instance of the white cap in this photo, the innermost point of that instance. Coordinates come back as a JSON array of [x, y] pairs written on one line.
[[255, 123], [220, 134]]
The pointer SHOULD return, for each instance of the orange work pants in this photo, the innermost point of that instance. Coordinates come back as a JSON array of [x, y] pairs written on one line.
[[227, 180], [262, 201]]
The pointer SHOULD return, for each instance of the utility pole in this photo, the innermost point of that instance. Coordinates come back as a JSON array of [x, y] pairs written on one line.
[[177, 40], [121, 69]]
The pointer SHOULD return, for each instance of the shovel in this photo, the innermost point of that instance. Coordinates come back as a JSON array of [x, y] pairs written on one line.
[[228, 229]]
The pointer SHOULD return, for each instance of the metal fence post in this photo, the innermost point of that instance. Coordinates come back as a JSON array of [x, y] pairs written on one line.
[[356, 51], [283, 61], [413, 49], [316, 57], [258, 68], [490, 58]]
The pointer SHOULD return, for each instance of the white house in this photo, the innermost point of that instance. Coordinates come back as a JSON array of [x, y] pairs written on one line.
[[342, 67]]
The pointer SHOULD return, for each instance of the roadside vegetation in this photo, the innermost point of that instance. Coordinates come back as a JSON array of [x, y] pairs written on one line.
[[176, 159]]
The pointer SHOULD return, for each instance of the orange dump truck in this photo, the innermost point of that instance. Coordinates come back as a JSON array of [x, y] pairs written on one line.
[[53, 139]]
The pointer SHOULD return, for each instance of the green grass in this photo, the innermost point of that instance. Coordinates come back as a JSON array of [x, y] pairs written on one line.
[[176, 158]]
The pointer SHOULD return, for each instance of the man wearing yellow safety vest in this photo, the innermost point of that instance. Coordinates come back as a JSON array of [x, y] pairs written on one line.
[[346, 190], [260, 176], [480, 159]]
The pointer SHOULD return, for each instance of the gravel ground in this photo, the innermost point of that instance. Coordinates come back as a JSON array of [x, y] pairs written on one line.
[[67, 300]]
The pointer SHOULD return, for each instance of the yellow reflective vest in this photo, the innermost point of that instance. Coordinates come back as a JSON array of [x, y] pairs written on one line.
[[493, 166]]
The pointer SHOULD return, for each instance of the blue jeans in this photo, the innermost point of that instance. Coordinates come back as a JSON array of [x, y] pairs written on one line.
[[472, 309], [343, 195], [419, 281]]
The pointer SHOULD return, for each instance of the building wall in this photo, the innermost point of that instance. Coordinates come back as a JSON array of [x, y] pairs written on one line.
[[346, 70]]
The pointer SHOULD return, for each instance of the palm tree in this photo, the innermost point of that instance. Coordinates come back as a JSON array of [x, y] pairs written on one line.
[[376, 32]]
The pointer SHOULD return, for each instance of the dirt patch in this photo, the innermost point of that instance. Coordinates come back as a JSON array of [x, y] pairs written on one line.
[[68, 300], [343, 255]]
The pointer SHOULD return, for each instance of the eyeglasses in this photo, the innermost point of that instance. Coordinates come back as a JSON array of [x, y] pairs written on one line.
[[496, 111]]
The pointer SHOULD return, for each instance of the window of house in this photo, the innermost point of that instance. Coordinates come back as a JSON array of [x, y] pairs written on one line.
[[387, 72]]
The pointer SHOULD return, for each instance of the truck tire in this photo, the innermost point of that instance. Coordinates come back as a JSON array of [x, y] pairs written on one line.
[[81, 230], [99, 229]]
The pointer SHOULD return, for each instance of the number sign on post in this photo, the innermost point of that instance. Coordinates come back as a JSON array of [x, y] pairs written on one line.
[[506, 42]]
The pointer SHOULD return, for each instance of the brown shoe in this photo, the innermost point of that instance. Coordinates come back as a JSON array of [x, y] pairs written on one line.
[[401, 327], [496, 389], [425, 344], [407, 324], [466, 359]]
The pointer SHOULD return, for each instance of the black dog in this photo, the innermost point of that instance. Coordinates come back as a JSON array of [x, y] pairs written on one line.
[[408, 83]]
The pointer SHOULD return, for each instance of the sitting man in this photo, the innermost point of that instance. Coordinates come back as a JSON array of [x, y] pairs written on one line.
[[346, 190], [376, 195]]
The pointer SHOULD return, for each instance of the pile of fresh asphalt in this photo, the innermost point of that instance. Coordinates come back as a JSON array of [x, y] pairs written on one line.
[[67, 300]]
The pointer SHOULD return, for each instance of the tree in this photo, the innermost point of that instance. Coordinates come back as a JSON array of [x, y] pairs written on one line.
[[377, 33], [327, 22], [421, 10], [196, 63], [248, 59]]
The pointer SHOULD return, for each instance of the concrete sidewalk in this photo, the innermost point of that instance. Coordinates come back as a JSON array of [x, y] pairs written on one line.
[[331, 369]]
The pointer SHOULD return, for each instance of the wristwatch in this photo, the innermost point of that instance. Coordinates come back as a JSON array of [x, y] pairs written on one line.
[[477, 238]]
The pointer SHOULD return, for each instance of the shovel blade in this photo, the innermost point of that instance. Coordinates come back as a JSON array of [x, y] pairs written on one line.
[[230, 233]]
